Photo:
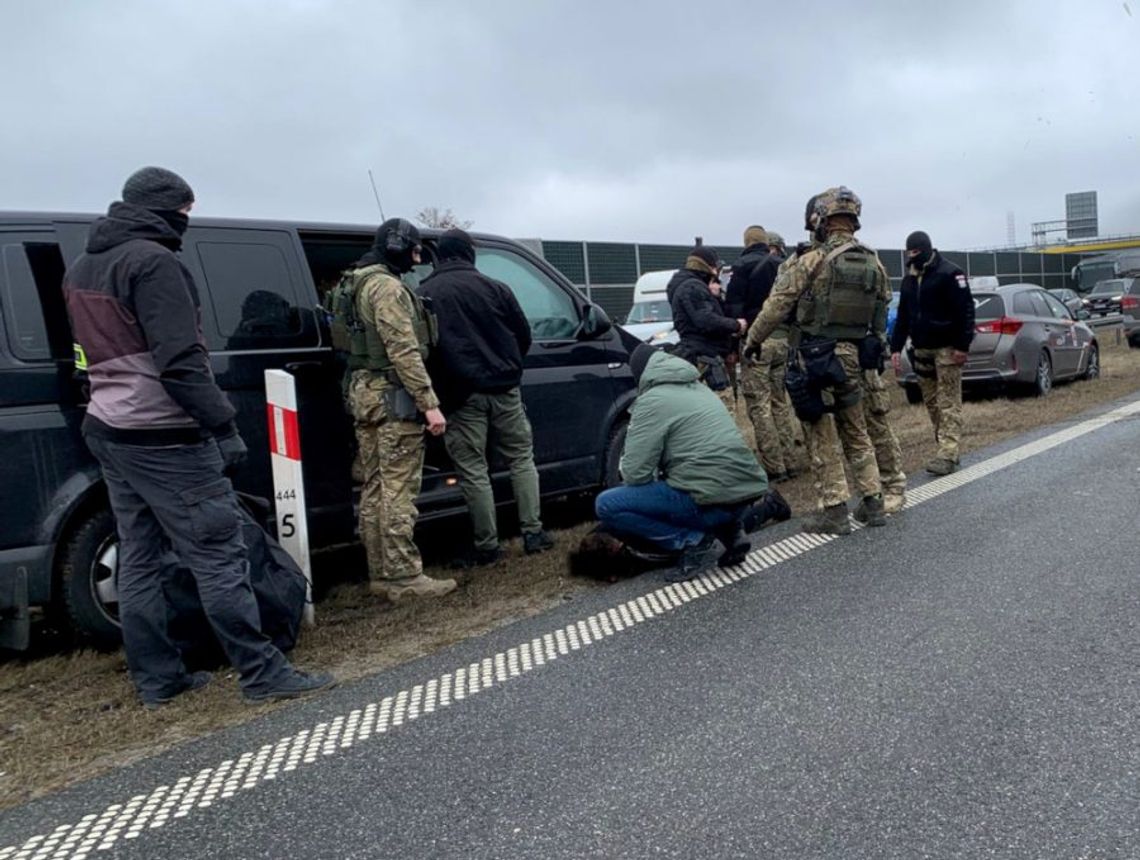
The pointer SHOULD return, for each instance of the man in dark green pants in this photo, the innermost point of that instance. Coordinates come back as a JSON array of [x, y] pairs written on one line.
[[476, 370]]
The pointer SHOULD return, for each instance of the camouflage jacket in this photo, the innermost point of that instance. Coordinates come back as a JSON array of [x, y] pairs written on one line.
[[793, 280], [391, 307]]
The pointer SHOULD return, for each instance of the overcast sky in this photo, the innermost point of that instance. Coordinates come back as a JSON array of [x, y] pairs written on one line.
[[625, 121]]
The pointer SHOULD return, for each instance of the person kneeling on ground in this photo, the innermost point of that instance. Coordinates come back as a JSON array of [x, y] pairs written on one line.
[[689, 477]]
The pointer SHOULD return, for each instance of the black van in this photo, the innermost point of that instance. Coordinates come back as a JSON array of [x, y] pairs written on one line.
[[261, 284]]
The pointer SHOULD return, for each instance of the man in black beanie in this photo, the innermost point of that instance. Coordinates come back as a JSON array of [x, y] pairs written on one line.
[[936, 311], [165, 437], [476, 370], [706, 333]]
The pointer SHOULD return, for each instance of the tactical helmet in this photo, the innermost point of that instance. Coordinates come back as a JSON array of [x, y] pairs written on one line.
[[775, 240], [809, 213], [838, 201]]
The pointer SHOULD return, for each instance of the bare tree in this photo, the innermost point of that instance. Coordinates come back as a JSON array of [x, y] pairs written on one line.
[[442, 219]]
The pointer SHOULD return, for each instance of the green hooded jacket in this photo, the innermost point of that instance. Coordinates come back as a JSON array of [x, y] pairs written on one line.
[[679, 430]]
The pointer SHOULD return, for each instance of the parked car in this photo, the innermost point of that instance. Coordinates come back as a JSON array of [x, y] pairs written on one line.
[[1106, 296], [261, 283], [1130, 311], [1024, 336], [893, 313], [1070, 299], [651, 317]]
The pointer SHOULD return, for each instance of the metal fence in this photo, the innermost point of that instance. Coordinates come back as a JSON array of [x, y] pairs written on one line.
[[606, 271]]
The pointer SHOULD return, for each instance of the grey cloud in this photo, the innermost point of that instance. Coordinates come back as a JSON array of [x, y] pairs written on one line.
[[648, 121]]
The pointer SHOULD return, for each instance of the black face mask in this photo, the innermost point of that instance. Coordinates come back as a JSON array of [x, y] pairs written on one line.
[[178, 221], [920, 259]]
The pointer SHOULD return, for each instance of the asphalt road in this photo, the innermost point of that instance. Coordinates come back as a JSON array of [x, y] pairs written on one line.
[[962, 683]]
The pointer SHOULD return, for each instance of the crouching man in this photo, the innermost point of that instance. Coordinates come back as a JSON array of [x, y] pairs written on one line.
[[689, 477]]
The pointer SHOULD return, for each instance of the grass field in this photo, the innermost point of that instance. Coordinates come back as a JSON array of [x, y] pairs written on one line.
[[67, 717]]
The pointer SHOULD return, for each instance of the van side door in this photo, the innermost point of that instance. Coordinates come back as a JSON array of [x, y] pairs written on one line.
[[258, 313]]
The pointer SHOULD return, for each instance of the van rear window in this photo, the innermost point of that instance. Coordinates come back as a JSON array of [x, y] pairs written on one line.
[[31, 282]]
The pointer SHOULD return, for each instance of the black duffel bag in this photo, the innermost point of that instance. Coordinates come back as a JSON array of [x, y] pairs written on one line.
[[278, 586]]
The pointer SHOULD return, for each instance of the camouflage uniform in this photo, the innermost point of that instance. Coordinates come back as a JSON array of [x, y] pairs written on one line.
[[779, 445], [888, 454], [792, 292], [391, 450], [941, 384]]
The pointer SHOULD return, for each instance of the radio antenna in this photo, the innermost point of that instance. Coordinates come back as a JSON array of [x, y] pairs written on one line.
[[376, 194]]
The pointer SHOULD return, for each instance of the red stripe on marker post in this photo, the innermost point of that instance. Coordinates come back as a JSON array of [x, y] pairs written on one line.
[[285, 435]]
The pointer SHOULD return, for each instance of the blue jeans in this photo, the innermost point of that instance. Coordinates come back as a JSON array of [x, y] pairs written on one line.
[[662, 515]]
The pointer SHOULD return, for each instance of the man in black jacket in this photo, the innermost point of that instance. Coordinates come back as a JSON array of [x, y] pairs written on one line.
[[164, 435], [762, 374], [936, 311], [705, 331], [476, 370]]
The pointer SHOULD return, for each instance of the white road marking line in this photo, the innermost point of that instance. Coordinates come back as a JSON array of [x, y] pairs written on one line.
[[101, 831]]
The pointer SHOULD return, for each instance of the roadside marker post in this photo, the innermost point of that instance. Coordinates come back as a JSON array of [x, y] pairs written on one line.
[[288, 479]]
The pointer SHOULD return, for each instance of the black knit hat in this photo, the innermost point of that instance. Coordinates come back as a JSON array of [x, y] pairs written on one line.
[[706, 255], [456, 244], [639, 358], [157, 188], [919, 241]]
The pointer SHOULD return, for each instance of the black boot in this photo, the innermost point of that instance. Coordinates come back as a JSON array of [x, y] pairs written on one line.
[[694, 561], [870, 511], [735, 546], [770, 509]]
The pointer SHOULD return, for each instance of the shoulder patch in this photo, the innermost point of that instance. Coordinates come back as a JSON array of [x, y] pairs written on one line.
[[961, 279]]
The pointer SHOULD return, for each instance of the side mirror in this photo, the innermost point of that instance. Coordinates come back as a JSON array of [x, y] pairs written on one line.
[[595, 323], [1083, 314]]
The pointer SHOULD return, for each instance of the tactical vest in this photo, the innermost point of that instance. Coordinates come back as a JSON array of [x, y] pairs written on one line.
[[354, 332], [843, 295]]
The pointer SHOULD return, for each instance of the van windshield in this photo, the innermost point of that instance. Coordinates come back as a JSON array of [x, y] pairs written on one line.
[[650, 312]]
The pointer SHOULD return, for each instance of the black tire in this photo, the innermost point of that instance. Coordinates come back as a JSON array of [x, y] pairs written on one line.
[[611, 476], [1134, 341], [1092, 368], [88, 560], [1043, 379], [913, 394]]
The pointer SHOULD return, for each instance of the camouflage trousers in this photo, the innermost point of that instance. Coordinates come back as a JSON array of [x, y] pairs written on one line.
[[876, 412], [942, 394], [778, 436], [846, 427], [391, 462]]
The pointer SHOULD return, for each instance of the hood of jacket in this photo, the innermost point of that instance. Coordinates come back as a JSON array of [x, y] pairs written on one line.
[[666, 369], [125, 222]]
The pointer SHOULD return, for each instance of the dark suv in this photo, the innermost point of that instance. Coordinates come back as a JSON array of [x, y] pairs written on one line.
[[261, 284]]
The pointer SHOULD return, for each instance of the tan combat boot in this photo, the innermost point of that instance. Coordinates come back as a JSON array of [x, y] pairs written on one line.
[[396, 590], [893, 502], [830, 521]]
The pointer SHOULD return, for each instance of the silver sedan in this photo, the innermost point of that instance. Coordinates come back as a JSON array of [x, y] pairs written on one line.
[[1024, 337]]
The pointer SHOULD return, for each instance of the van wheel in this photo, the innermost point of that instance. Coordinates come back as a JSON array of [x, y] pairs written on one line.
[[611, 477], [87, 598], [913, 394]]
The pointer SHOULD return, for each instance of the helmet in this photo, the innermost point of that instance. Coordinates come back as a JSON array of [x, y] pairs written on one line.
[[400, 235], [775, 240], [838, 201], [809, 213]]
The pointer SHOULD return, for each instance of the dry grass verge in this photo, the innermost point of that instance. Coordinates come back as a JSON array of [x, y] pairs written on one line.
[[66, 718]]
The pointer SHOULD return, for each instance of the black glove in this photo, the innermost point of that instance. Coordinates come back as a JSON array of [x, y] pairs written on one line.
[[233, 450]]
